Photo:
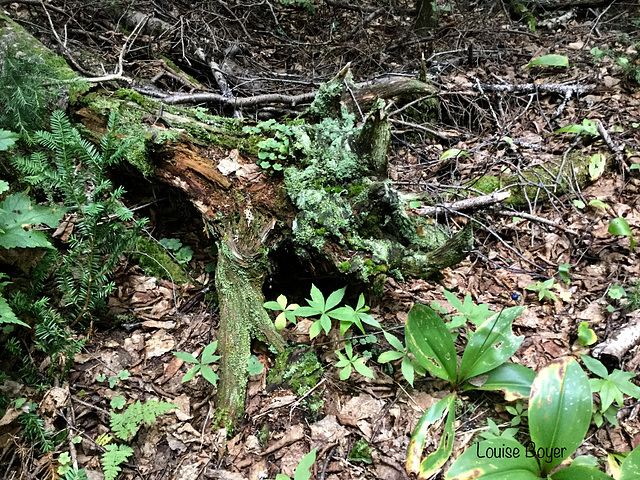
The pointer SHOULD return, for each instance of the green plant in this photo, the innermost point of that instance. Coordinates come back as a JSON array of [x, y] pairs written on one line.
[[317, 306], [183, 254], [354, 316], [73, 170], [560, 406], [34, 431], [628, 64], [586, 336], [619, 226], [282, 141], [201, 365], [588, 127], [7, 316], [482, 367], [303, 469], [114, 379], [125, 425], [75, 474], [551, 60], [519, 413], [493, 432], [113, 457], [350, 359], [7, 140], [610, 387], [254, 367], [544, 289], [286, 311]]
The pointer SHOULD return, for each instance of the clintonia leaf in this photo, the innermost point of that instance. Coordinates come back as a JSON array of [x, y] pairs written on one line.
[[549, 61], [560, 408], [430, 341], [580, 472], [491, 345], [498, 459], [619, 226], [513, 380], [303, 468], [630, 468], [419, 437], [435, 460]]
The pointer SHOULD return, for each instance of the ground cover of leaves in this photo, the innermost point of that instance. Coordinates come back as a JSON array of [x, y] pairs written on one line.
[[480, 46]]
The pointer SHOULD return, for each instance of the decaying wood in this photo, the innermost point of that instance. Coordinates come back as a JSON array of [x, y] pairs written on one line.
[[611, 351], [466, 204]]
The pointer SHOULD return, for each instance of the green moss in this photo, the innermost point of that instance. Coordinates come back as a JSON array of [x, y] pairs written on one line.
[[299, 372], [361, 452], [126, 94], [345, 267], [154, 257], [486, 184]]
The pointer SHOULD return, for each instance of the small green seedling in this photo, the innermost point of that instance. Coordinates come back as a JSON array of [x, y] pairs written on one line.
[[453, 153], [586, 336], [543, 289], [286, 311], [610, 387], [597, 165], [619, 226], [202, 365], [303, 470], [588, 127], [254, 367], [114, 380], [348, 360], [349, 316], [182, 254], [519, 413], [493, 433], [563, 271]]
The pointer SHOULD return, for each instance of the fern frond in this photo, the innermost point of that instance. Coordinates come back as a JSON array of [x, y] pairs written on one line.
[[125, 425], [113, 458]]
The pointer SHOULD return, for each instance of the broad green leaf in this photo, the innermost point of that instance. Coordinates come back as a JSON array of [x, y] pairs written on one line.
[[317, 298], [595, 366], [597, 165], [281, 321], [254, 367], [208, 353], [616, 292], [560, 408], [491, 344], [630, 469], [345, 372], [303, 469], [598, 203], [408, 372], [419, 436], [191, 373], [563, 271], [549, 61], [315, 329], [4, 186], [498, 459], [619, 226], [390, 356], [438, 458], [362, 369], [7, 139], [430, 341], [509, 378], [209, 375], [579, 204], [453, 152], [17, 213], [282, 476], [7, 316], [580, 472], [272, 305], [335, 298], [186, 357], [586, 336]]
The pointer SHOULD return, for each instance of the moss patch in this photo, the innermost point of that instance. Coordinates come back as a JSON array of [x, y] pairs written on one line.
[[156, 262], [299, 370]]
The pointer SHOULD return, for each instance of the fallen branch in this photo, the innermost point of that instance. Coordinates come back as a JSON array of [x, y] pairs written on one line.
[[238, 102], [466, 204], [614, 348]]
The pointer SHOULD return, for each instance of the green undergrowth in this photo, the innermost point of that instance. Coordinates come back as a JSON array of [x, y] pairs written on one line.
[[299, 371], [156, 262]]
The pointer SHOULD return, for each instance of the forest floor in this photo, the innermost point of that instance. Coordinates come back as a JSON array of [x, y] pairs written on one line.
[[291, 51]]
